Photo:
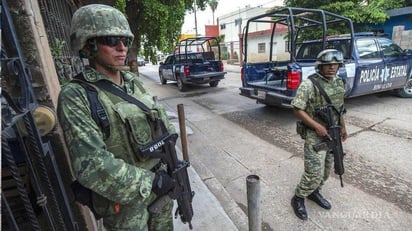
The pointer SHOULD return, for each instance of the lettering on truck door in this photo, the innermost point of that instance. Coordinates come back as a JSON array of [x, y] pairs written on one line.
[[397, 66], [370, 71]]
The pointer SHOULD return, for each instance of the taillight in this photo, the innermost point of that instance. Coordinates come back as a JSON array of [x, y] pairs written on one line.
[[293, 80], [186, 71], [221, 66], [242, 75]]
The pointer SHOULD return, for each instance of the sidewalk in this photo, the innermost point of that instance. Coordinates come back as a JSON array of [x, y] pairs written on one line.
[[208, 213]]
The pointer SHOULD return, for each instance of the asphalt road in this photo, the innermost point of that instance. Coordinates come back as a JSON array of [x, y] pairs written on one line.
[[234, 137]]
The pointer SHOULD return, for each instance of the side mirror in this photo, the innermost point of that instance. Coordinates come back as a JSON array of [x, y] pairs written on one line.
[[407, 52]]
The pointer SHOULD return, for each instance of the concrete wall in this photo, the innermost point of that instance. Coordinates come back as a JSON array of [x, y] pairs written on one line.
[[402, 37]]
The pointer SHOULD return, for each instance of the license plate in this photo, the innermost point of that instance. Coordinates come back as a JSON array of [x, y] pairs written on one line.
[[261, 94]]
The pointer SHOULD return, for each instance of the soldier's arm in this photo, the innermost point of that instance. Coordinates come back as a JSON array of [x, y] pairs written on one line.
[[93, 166]]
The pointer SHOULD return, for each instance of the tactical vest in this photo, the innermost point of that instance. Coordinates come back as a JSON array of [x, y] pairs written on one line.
[[125, 126], [335, 93]]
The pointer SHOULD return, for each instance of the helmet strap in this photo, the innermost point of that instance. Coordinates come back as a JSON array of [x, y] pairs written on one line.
[[108, 66]]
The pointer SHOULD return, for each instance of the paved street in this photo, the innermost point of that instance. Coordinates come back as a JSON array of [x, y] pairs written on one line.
[[228, 144]]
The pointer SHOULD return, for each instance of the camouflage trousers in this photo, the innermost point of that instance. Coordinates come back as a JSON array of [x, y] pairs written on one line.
[[142, 220], [317, 167]]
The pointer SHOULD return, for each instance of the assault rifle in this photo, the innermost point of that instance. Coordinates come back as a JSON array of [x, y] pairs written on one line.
[[164, 148], [326, 113]]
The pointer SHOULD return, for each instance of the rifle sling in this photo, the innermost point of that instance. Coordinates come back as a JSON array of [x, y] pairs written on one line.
[[109, 87]]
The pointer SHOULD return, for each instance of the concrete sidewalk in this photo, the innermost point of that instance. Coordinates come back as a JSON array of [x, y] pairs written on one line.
[[208, 213]]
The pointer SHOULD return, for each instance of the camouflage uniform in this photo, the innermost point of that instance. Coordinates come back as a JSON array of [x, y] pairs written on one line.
[[113, 168], [317, 164]]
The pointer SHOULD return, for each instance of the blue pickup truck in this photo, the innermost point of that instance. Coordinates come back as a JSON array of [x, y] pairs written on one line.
[[371, 63], [194, 61]]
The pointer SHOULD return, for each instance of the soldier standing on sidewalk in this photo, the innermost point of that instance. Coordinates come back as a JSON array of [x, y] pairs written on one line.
[[113, 179], [317, 163]]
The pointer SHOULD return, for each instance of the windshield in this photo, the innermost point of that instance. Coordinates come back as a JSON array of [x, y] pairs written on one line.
[[310, 50]]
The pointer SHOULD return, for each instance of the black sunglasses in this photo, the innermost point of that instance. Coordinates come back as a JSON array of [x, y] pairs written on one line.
[[113, 41]]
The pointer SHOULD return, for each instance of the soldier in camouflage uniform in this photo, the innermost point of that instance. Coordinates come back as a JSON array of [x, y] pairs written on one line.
[[123, 183], [317, 164]]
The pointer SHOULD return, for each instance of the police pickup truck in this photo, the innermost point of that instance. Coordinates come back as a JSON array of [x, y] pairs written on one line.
[[194, 61], [371, 64]]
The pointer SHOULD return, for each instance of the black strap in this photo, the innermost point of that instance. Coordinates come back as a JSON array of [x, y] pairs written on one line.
[[98, 113], [326, 97], [321, 90], [109, 87]]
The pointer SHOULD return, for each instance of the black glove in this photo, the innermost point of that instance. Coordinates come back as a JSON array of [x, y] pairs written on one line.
[[162, 183]]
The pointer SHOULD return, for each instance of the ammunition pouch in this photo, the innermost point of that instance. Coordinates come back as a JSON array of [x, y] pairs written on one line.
[[301, 129]]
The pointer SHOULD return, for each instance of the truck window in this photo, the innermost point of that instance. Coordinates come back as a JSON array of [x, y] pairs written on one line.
[[309, 50], [367, 49], [389, 48], [169, 60]]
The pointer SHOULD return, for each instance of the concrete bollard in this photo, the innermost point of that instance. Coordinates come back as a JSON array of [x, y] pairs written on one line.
[[253, 202]]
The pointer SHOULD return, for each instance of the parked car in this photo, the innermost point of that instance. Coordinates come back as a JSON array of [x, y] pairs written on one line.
[[141, 61], [371, 63]]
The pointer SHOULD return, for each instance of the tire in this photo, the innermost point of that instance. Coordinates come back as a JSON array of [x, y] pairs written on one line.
[[406, 91], [180, 85], [213, 83], [162, 79]]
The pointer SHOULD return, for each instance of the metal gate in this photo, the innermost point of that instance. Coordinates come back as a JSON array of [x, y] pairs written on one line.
[[33, 196]]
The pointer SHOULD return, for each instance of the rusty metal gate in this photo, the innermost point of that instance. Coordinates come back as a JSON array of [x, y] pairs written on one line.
[[33, 196]]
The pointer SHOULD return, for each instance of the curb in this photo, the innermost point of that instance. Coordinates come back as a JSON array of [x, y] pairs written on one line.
[[229, 205]]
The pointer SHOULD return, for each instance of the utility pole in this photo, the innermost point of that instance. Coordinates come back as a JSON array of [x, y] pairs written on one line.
[[195, 6]]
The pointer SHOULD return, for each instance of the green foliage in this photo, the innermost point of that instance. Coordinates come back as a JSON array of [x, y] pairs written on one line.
[[120, 5], [360, 11], [213, 4], [57, 48], [156, 24]]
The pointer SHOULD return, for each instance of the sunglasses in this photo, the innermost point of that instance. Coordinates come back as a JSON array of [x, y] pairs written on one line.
[[330, 56], [113, 41]]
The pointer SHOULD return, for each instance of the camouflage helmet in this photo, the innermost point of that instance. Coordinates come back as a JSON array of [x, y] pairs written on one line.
[[97, 20], [329, 56]]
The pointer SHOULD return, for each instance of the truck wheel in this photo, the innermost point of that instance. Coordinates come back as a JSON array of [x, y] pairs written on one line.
[[180, 85], [213, 83], [162, 79], [406, 91]]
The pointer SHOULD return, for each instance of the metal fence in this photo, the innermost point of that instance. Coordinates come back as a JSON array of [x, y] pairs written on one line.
[[56, 16], [33, 196]]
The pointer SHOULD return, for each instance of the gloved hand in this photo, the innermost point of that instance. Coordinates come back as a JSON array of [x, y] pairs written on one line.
[[162, 183]]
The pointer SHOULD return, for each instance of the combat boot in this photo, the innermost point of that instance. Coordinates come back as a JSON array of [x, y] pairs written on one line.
[[298, 205], [318, 199]]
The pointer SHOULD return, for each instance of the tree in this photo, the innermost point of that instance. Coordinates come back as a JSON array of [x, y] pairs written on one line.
[[213, 5], [360, 11], [156, 24]]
